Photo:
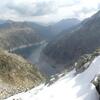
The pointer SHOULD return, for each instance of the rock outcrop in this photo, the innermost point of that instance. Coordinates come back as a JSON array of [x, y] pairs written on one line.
[[96, 82], [17, 75], [84, 61]]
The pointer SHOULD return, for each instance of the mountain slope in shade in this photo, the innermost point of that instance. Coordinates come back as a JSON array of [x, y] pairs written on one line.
[[69, 87], [17, 75], [82, 39], [64, 25]]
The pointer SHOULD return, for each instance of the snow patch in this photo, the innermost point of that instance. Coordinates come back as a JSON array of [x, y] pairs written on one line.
[[69, 87]]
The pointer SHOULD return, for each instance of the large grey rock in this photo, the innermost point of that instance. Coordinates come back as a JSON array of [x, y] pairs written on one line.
[[96, 82], [83, 63]]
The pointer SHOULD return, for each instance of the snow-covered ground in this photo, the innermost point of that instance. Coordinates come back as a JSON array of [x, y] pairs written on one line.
[[69, 87]]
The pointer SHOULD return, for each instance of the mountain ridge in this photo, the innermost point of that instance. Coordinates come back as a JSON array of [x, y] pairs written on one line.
[[82, 39]]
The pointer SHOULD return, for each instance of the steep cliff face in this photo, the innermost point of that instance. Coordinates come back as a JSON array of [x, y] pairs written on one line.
[[85, 60], [17, 75]]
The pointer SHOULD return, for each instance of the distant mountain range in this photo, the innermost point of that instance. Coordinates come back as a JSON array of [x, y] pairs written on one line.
[[3, 21], [70, 45], [17, 75], [14, 34], [64, 24]]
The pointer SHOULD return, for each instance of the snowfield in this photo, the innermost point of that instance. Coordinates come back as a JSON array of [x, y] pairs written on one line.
[[69, 87]]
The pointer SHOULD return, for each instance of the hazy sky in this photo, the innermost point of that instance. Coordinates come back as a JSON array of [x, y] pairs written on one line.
[[47, 10]]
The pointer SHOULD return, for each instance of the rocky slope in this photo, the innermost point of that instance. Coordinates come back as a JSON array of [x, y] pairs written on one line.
[[68, 47], [17, 75], [70, 86], [15, 34]]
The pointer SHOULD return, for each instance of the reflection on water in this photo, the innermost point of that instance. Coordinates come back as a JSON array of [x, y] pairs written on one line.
[[31, 53]]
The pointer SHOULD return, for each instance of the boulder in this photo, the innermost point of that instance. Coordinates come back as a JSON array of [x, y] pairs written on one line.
[[96, 82]]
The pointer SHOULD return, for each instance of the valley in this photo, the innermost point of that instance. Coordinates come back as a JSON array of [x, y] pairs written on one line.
[[47, 55], [30, 52]]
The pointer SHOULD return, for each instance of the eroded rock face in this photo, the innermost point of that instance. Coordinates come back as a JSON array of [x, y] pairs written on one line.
[[96, 82], [16, 75], [84, 61]]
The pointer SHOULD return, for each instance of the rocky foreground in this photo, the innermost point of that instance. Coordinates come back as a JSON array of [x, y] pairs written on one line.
[[16, 75]]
